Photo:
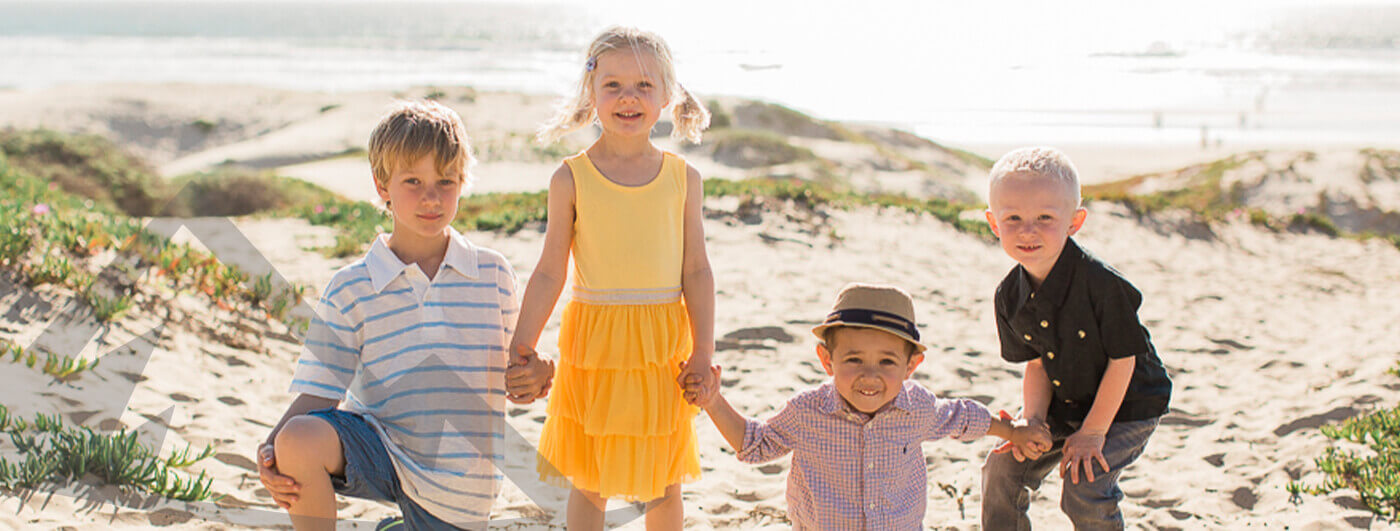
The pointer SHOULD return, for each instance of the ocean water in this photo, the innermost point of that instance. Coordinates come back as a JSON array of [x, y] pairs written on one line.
[[966, 72]]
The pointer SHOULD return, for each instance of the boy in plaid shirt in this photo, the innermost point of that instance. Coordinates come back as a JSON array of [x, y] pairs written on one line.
[[857, 461]]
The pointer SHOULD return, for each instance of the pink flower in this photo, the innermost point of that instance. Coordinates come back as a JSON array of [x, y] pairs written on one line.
[[335, 210], [39, 209], [319, 209]]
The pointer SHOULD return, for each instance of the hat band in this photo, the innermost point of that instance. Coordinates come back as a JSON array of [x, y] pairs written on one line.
[[875, 318]]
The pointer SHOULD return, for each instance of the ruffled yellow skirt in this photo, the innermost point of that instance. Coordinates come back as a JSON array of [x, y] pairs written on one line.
[[617, 424]]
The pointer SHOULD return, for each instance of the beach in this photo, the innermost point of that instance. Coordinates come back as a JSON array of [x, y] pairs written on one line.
[[1267, 333]]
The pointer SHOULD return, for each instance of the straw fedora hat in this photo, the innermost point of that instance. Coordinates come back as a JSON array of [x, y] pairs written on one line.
[[885, 308]]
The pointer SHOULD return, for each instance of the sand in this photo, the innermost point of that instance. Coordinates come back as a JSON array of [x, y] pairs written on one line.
[[1267, 335]]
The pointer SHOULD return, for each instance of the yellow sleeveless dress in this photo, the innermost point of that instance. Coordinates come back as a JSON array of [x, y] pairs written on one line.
[[617, 424]]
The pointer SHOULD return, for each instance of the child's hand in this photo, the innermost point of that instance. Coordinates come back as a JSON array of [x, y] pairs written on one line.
[[528, 377], [1030, 438], [1083, 448], [283, 489], [699, 387], [1034, 438]]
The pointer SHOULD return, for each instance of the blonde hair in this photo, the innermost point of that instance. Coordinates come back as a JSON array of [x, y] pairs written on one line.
[[415, 129], [689, 116], [1044, 162]]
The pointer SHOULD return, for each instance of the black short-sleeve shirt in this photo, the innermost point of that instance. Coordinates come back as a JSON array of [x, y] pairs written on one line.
[[1083, 314]]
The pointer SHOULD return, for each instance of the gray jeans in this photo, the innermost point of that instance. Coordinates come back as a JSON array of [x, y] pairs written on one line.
[[1007, 484]]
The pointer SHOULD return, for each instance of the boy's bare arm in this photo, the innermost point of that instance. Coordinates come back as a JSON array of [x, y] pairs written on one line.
[[1085, 447], [727, 420], [1110, 394], [1035, 392]]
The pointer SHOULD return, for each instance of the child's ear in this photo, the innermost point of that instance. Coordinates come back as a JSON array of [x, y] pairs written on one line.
[[382, 188], [914, 361], [1078, 220], [992, 220], [824, 355]]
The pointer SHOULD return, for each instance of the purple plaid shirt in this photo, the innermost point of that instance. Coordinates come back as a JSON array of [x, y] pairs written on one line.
[[852, 473]]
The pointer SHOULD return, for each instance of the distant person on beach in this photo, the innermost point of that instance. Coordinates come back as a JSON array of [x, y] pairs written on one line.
[[1092, 376], [409, 341], [856, 440], [643, 293]]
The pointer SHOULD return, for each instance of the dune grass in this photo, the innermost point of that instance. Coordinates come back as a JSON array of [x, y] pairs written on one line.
[[49, 236], [51, 452], [1206, 200], [752, 148], [1375, 474]]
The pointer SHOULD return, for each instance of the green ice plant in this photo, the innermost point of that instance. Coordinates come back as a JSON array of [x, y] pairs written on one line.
[[52, 451], [1374, 475]]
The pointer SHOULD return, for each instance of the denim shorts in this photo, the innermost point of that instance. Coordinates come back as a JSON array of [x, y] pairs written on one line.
[[369, 471]]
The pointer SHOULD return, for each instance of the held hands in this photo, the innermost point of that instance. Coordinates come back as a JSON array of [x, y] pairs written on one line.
[[284, 489], [528, 377], [1084, 447], [700, 386], [1030, 438]]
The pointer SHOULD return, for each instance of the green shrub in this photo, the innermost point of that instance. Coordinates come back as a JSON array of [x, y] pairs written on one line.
[[1374, 475], [88, 166], [239, 193], [53, 452], [748, 148], [719, 118]]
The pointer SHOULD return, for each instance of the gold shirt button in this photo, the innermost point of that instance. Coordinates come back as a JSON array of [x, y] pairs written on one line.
[[1081, 334], [1056, 382], [1027, 336], [1044, 324], [1050, 355]]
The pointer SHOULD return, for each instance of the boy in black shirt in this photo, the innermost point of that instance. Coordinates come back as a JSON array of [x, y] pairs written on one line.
[[1092, 375]]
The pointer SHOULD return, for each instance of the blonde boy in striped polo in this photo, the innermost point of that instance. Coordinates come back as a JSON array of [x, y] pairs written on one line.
[[409, 342]]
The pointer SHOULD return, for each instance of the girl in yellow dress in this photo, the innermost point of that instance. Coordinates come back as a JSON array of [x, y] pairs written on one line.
[[641, 316]]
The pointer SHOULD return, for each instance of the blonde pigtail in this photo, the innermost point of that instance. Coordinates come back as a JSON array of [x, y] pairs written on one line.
[[690, 117], [575, 114]]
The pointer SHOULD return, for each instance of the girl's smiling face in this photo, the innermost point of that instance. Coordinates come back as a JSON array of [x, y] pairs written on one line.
[[627, 91]]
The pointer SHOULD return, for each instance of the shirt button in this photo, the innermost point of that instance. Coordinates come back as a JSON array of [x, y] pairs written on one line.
[[1056, 382], [1081, 334], [1027, 336], [872, 505], [871, 465], [1050, 355], [1044, 324], [1068, 401]]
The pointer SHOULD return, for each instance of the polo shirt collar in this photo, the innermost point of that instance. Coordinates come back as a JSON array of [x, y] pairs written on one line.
[[384, 266], [1056, 285]]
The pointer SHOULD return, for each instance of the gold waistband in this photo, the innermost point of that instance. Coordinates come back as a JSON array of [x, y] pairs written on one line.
[[626, 296]]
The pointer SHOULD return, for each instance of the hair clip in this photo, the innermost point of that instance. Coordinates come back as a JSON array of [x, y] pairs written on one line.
[[590, 64]]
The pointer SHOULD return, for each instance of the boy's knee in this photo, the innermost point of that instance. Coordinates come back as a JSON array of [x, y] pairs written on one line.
[[307, 439], [1093, 505], [999, 467]]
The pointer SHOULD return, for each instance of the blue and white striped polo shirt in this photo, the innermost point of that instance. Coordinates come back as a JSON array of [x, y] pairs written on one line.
[[424, 362]]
